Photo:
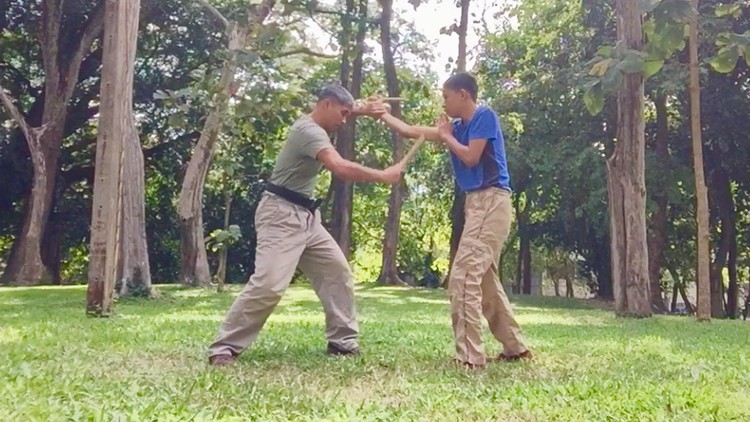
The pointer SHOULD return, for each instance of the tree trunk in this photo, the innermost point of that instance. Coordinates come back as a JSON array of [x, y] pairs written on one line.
[[52, 245], [343, 191], [61, 61], [194, 270], [681, 287], [389, 272], [135, 276], [701, 192], [25, 265], [115, 124], [626, 181], [675, 292], [747, 304], [556, 283], [733, 290], [221, 272], [724, 207], [569, 287], [526, 256], [659, 238], [457, 208]]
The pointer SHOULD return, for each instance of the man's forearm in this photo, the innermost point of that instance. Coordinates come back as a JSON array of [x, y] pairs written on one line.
[[353, 172], [409, 131], [461, 151]]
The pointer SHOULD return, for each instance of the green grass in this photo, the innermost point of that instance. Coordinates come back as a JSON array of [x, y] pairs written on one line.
[[147, 363]]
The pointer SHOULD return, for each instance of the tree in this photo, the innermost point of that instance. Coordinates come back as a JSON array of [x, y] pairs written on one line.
[[115, 125], [626, 180], [389, 272], [457, 209], [703, 280], [65, 49], [658, 238], [194, 264], [134, 269], [351, 77]]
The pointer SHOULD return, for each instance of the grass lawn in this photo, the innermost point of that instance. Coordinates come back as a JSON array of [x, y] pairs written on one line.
[[148, 363]]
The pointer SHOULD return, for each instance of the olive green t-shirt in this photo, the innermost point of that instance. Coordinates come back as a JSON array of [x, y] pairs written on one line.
[[296, 167]]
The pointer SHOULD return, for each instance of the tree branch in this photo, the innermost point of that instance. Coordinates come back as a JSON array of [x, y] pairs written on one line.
[[215, 13], [16, 114], [91, 32], [50, 41], [306, 51]]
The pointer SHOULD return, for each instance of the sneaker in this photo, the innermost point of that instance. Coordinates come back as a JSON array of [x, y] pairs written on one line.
[[526, 355], [334, 350], [222, 360]]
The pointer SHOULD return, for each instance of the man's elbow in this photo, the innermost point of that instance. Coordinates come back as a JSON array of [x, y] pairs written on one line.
[[341, 169], [471, 161]]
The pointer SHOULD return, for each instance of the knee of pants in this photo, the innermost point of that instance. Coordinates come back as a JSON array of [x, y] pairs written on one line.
[[340, 272], [267, 293]]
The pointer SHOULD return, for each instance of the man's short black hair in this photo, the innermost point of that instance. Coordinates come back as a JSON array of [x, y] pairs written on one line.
[[337, 92], [463, 81]]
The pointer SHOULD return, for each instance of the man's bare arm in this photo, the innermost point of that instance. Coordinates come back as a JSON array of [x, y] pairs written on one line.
[[353, 172], [408, 131]]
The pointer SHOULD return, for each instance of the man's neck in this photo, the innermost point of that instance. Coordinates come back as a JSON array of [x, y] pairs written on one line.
[[315, 116], [467, 114]]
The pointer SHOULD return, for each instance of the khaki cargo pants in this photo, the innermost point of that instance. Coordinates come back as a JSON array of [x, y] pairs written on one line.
[[290, 236], [474, 287]]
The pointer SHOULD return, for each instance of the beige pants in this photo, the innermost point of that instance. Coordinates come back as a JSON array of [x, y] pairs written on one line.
[[474, 287], [290, 236]]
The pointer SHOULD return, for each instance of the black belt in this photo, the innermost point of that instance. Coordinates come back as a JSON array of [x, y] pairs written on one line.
[[294, 197]]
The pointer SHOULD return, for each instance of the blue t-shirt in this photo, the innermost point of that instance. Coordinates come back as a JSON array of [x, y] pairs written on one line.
[[492, 169]]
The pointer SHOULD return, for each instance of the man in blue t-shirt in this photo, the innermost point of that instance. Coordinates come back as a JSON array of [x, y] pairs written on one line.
[[477, 151]]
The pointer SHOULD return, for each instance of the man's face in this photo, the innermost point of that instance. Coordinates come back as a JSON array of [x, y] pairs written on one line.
[[453, 101], [336, 114]]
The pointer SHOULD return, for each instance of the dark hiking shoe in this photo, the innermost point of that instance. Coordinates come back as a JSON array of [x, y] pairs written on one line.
[[527, 355], [222, 360], [334, 350]]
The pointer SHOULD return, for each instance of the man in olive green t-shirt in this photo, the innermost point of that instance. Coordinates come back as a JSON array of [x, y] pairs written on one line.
[[291, 235]]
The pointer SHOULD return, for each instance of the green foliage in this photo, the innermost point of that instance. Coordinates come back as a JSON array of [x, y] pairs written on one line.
[[665, 31], [222, 239]]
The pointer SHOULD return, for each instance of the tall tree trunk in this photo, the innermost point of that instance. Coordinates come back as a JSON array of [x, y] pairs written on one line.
[[569, 287], [343, 191], [115, 125], [626, 181], [723, 203], [523, 233], [52, 245], [658, 239], [524, 250], [457, 208], [746, 309], [733, 290], [389, 271], [221, 272], [62, 60], [701, 192], [194, 270], [135, 276]]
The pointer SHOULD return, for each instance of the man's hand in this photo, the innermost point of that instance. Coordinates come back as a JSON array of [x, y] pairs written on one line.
[[445, 130], [373, 107], [392, 175]]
